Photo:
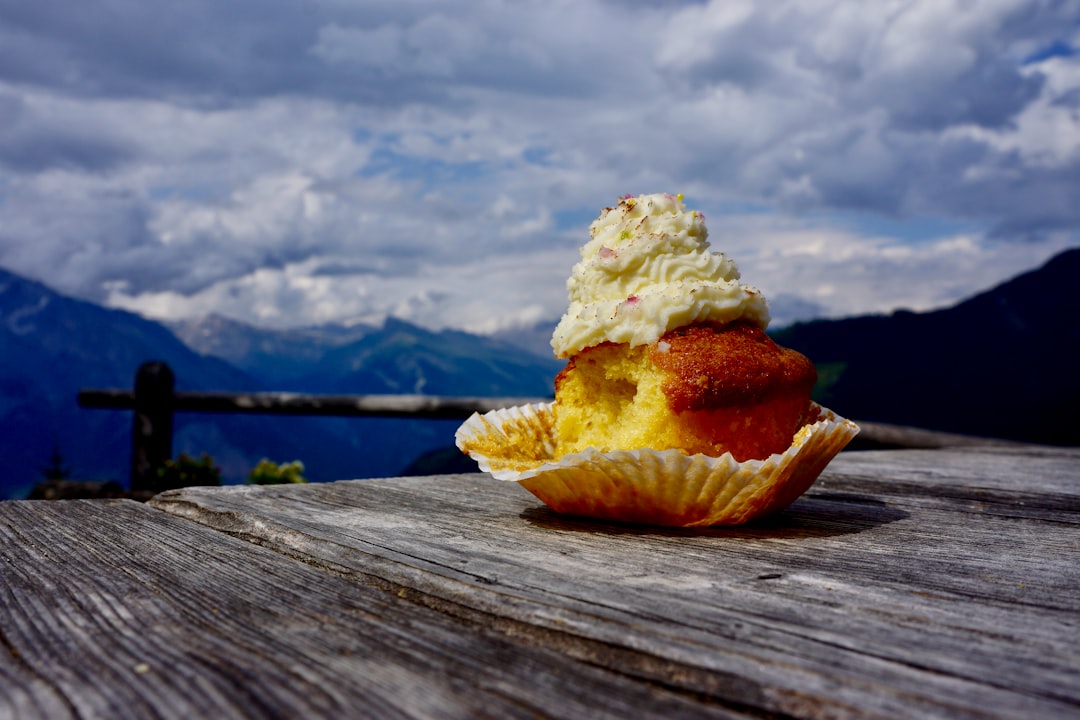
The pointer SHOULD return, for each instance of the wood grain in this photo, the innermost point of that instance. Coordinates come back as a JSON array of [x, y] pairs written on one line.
[[938, 583], [111, 609]]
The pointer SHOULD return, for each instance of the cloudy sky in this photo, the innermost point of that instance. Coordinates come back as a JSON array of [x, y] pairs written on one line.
[[289, 162]]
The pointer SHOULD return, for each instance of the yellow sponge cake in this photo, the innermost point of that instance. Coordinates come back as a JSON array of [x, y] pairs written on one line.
[[705, 388]]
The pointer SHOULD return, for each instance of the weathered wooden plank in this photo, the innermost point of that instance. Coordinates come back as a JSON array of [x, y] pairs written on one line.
[[1038, 470], [875, 435], [1033, 482], [888, 590], [111, 609]]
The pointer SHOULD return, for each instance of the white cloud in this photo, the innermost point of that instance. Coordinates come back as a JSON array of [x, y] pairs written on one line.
[[291, 162], [841, 272], [481, 296], [1046, 133], [377, 47]]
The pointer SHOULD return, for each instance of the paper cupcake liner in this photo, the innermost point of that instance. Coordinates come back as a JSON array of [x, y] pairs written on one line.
[[654, 487]]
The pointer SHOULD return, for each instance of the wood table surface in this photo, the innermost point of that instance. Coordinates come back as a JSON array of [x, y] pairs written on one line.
[[905, 583]]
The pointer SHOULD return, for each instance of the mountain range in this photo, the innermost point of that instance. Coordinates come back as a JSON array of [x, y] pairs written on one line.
[[1005, 363], [1000, 364], [52, 346]]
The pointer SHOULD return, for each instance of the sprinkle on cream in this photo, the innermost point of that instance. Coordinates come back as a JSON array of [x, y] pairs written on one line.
[[647, 269]]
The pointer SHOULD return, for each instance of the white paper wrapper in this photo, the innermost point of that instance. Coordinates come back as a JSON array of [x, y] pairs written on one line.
[[655, 487]]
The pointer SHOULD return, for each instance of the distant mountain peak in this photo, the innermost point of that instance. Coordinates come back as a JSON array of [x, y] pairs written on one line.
[[1000, 364]]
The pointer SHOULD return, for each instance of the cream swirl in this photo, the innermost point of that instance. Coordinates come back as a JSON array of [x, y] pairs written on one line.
[[648, 270]]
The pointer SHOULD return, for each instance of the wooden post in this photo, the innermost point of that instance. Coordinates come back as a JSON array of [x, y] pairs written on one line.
[[152, 425]]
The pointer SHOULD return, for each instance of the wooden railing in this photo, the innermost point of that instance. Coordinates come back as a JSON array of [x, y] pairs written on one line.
[[154, 401]]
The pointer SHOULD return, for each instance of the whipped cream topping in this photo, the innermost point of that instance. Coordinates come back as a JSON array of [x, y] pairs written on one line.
[[648, 270]]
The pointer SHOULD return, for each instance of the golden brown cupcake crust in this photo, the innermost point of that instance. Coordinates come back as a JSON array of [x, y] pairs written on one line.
[[711, 366]]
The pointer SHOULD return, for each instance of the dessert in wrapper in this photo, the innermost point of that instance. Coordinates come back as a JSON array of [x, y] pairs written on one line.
[[675, 408], [655, 487]]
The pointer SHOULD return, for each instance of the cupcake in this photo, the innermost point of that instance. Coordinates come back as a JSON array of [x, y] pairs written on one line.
[[675, 407]]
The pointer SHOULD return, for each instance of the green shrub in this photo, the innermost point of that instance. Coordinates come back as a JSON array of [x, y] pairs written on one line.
[[186, 471], [268, 472]]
